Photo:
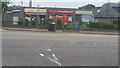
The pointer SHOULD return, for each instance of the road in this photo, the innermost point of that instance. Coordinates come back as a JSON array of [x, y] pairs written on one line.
[[20, 48]]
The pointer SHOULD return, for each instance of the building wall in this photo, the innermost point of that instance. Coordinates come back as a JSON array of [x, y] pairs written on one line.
[[7, 19], [16, 17], [22, 14], [83, 12], [86, 15], [87, 18], [105, 19]]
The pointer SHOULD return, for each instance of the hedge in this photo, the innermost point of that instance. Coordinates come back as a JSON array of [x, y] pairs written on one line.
[[101, 25], [34, 22], [117, 24], [20, 22], [23, 22], [27, 22]]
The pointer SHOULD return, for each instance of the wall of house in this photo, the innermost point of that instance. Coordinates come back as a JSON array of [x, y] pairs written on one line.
[[87, 18], [11, 18], [7, 19], [16, 17], [22, 14], [109, 20]]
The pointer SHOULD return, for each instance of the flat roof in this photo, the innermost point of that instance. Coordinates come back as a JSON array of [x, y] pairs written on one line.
[[52, 8]]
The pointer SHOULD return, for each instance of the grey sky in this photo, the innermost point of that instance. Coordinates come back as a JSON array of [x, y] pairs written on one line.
[[62, 3]]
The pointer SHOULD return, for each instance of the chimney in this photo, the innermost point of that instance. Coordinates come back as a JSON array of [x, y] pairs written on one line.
[[30, 3]]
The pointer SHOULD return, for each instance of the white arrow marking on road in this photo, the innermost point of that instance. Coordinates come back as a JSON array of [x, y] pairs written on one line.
[[55, 61], [55, 57]]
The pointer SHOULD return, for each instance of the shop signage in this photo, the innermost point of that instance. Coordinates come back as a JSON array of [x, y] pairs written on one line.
[[83, 12], [69, 18], [58, 17], [63, 19], [34, 10], [55, 18], [61, 11]]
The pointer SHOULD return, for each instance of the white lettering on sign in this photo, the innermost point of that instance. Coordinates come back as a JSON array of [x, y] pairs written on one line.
[[66, 11], [34, 10], [83, 12], [60, 11]]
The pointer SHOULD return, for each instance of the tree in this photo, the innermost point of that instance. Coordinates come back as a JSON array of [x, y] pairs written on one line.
[[5, 4], [88, 6], [59, 23]]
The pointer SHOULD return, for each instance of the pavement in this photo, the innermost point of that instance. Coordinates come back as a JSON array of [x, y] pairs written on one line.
[[1, 30], [45, 30], [27, 48]]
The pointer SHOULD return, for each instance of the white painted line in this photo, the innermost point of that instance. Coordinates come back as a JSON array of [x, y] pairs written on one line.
[[55, 58], [88, 43], [42, 49], [51, 59], [94, 43], [41, 54], [74, 34], [58, 63], [49, 49], [105, 35], [54, 61]]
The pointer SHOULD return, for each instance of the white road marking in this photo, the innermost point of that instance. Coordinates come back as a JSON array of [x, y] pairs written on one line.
[[105, 35], [54, 61], [94, 43], [55, 57], [88, 43], [41, 54], [42, 49], [74, 34], [95, 35], [2, 30], [49, 49]]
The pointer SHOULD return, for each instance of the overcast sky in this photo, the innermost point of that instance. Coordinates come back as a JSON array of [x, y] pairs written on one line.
[[61, 3]]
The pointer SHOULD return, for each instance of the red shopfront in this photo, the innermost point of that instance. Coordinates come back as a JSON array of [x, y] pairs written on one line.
[[55, 13]]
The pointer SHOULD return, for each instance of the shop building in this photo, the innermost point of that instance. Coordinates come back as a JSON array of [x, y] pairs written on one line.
[[30, 13]]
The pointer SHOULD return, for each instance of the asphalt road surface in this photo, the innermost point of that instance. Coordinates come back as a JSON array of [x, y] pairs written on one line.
[[20, 48]]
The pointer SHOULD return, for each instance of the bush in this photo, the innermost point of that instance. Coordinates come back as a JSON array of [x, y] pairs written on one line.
[[23, 22], [116, 27], [101, 25], [27, 22], [45, 22], [69, 25], [117, 24], [59, 24], [20, 22], [83, 25], [34, 22]]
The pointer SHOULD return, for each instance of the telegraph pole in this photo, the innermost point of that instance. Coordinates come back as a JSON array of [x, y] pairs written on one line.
[[108, 1], [38, 23], [22, 3]]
